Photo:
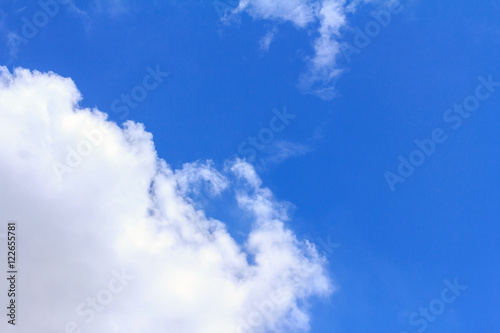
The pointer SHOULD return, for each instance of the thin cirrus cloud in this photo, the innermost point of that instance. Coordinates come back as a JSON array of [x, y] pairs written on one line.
[[282, 150], [121, 229], [17, 37], [329, 16]]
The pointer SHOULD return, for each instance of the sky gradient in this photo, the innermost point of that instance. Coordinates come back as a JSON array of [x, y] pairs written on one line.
[[368, 128]]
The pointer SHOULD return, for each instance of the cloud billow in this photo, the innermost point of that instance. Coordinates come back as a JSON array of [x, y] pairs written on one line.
[[117, 243]]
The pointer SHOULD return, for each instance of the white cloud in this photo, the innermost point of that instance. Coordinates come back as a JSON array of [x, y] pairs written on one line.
[[329, 16], [122, 206], [266, 41], [323, 68], [13, 42]]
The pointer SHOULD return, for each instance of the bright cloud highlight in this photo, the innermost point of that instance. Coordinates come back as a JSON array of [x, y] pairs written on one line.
[[116, 244]]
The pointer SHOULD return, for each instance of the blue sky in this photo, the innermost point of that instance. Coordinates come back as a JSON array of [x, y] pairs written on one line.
[[394, 246]]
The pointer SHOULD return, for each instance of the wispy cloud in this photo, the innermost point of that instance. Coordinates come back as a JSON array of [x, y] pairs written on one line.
[[328, 17], [300, 12], [266, 41], [282, 150], [31, 25]]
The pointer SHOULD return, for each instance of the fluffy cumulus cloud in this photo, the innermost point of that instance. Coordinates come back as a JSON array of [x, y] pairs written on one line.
[[329, 17], [110, 239]]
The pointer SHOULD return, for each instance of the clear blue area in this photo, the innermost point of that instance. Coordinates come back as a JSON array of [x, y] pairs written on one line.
[[398, 246]]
